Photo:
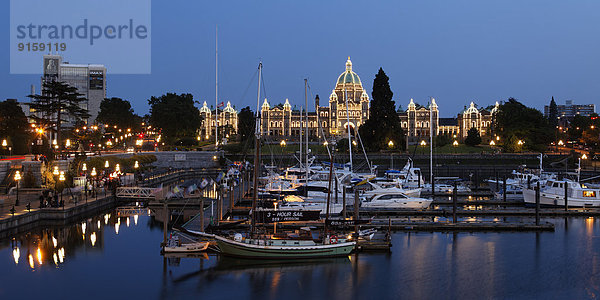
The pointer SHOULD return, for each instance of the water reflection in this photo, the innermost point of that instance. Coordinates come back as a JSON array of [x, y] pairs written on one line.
[[425, 265]]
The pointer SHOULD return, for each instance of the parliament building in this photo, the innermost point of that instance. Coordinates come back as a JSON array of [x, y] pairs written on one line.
[[349, 107]]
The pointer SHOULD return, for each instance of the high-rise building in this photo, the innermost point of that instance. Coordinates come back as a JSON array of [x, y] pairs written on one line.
[[90, 81], [570, 110]]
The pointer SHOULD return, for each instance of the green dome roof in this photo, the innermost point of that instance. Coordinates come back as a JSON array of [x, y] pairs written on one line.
[[349, 76]]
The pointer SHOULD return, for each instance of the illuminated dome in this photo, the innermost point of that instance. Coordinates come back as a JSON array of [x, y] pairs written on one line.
[[348, 76]]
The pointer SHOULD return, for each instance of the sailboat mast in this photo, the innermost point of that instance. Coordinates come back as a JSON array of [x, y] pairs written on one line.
[[348, 125], [300, 127], [257, 134], [216, 87], [431, 143], [306, 110]]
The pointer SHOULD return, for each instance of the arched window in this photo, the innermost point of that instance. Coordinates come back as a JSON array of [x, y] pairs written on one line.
[[324, 124]]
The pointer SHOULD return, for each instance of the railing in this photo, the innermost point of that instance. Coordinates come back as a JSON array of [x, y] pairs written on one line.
[[136, 192]]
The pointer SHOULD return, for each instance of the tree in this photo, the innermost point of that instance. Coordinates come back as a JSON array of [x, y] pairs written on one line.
[[383, 124], [553, 113], [246, 124], [14, 126], [473, 137], [524, 123], [58, 103], [176, 115], [116, 111]]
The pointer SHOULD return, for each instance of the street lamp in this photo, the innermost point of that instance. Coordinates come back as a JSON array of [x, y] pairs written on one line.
[[106, 164], [561, 143], [17, 179], [117, 168], [391, 144], [455, 144], [84, 167], [282, 143], [520, 142], [4, 143], [492, 143], [61, 178], [93, 174], [68, 143], [55, 172]]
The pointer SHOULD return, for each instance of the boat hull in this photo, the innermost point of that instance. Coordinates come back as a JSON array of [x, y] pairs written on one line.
[[240, 249], [187, 248], [554, 200]]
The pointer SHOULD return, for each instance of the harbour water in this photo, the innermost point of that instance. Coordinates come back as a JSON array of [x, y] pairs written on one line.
[[110, 257]]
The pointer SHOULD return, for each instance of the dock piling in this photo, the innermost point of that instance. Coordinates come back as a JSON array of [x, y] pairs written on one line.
[[504, 188], [566, 196], [537, 204], [454, 199]]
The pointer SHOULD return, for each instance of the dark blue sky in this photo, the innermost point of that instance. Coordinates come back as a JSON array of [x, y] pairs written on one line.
[[456, 51]]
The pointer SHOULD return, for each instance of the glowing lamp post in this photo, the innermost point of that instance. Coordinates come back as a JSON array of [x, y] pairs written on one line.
[[282, 143], [391, 144], [455, 144], [93, 174], [61, 178], [17, 179], [106, 164]]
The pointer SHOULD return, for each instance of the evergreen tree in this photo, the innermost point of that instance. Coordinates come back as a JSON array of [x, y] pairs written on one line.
[[473, 137], [58, 103], [553, 113], [383, 124], [246, 123], [14, 126]]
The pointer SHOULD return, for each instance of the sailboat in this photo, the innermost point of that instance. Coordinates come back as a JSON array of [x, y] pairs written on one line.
[[300, 244]]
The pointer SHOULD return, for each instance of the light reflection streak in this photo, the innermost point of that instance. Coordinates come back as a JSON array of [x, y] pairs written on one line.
[[93, 239], [39, 256], [135, 218], [83, 226], [55, 258], [31, 261], [16, 255], [117, 225], [61, 255], [127, 221], [54, 242]]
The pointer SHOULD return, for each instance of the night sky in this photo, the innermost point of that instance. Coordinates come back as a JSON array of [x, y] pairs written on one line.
[[455, 51]]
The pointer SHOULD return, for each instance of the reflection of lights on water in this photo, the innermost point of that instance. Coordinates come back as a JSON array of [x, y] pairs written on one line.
[[589, 224], [83, 226], [93, 239], [106, 219], [98, 223], [54, 242], [61, 255], [39, 256], [55, 258], [127, 221], [149, 212], [16, 255], [135, 218], [31, 261], [117, 225]]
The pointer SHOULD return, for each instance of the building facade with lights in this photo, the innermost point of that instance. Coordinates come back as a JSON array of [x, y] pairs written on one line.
[[226, 120], [282, 121], [348, 106]]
